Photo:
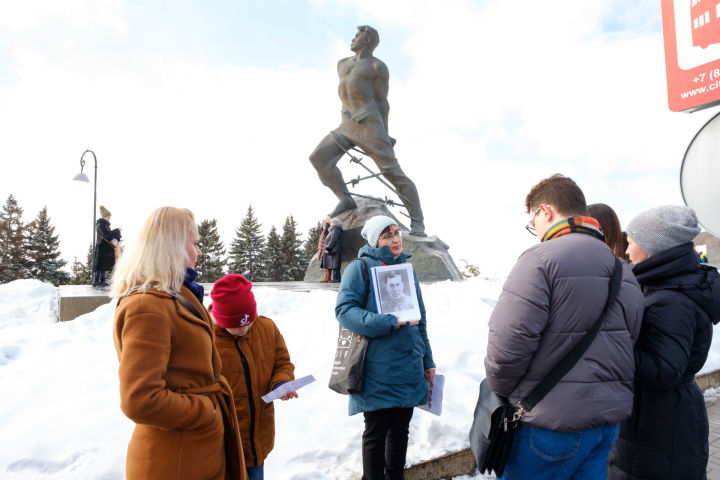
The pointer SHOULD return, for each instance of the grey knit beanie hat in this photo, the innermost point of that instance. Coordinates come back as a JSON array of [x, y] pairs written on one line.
[[661, 228]]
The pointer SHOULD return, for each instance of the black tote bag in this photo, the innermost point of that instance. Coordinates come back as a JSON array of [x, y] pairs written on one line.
[[348, 371]]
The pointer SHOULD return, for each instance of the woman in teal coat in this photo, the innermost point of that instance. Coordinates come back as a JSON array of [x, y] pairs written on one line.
[[399, 359]]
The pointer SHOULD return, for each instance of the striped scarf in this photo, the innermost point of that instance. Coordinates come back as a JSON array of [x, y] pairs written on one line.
[[579, 224]]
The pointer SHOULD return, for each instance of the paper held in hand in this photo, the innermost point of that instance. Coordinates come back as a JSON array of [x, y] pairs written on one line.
[[292, 386], [435, 396], [394, 291]]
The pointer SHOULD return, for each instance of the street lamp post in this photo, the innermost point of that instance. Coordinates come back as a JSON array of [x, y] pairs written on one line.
[[81, 177]]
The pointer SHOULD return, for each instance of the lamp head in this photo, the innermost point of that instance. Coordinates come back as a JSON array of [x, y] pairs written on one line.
[[81, 177]]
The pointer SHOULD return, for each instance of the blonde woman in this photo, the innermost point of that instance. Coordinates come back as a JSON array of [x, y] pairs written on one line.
[[170, 382]]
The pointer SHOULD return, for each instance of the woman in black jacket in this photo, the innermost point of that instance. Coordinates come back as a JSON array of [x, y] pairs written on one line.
[[333, 250], [667, 435], [106, 240]]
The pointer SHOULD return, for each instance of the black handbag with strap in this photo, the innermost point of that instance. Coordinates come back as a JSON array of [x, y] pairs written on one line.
[[495, 421]]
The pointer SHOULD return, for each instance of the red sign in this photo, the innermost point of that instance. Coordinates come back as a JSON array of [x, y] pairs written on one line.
[[691, 29]]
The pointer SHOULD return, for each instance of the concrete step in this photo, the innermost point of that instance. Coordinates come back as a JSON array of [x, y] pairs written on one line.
[[76, 300]]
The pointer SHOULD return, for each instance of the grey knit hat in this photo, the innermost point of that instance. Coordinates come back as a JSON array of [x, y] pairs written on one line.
[[661, 228]]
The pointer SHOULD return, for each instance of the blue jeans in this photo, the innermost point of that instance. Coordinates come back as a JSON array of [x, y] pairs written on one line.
[[544, 454], [255, 473]]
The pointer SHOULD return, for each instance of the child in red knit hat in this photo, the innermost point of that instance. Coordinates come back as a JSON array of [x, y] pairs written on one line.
[[255, 361]]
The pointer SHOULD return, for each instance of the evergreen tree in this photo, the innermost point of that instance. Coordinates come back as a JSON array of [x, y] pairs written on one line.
[[274, 266], [292, 252], [211, 264], [43, 251], [14, 262], [246, 250], [311, 244], [82, 273]]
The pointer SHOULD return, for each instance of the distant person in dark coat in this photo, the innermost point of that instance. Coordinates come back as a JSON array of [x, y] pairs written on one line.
[[333, 250], [321, 248], [667, 435], [105, 242]]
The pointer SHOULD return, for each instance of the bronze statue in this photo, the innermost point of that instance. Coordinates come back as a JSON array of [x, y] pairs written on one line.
[[363, 92]]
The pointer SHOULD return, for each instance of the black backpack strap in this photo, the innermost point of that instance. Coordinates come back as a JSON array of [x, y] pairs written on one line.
[[366, 277], [572, 357]]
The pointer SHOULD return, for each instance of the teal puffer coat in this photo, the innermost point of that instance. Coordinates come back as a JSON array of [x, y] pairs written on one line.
[[397, 357]]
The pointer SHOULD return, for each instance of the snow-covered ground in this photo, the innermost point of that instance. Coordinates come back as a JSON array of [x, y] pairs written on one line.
[[59, 406]]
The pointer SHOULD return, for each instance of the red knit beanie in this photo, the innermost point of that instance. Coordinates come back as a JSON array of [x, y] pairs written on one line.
[[233, 303]]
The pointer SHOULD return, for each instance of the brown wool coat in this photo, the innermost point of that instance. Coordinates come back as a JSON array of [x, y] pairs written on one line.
[[171, 387], [269, 363]]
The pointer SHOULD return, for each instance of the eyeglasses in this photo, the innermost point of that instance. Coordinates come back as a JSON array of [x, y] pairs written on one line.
[[530, 227], [391, 235]]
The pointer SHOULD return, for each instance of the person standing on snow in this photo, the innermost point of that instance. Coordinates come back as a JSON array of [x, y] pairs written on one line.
[[555, 292], [255, 361], [399, 360], [667, 435], [332, 260], [105, 242], [170, 381], [321, 249]]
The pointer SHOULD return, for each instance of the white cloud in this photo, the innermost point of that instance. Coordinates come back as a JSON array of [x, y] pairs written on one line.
[[84, 15], [498, 96]]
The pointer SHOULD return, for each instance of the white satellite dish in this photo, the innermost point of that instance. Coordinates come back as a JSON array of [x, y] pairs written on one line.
[[700, 175]]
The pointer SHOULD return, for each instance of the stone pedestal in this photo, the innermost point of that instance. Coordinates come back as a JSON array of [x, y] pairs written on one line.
[[430, 258], [76, 300]]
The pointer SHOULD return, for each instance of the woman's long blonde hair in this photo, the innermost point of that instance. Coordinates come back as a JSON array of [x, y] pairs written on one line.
[[157, 257]]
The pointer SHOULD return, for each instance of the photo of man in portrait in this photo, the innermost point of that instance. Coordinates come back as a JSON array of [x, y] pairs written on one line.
[[396, 297]]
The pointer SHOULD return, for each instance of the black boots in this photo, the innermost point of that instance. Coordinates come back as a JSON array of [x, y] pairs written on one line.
[[98, 280]]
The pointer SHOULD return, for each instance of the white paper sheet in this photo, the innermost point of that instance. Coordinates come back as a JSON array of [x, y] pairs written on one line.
[[435, 396], [292, 386]]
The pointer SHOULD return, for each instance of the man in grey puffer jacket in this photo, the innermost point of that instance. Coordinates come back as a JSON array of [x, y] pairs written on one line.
[[553, 295]]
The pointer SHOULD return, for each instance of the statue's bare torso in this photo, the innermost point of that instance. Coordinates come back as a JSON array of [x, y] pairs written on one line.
[[357, 86]]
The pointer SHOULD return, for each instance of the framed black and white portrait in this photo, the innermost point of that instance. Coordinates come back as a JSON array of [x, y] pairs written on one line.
[[394, 290]]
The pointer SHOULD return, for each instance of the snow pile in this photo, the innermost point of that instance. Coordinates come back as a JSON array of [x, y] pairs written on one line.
[[712, 394], [27, 301]]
